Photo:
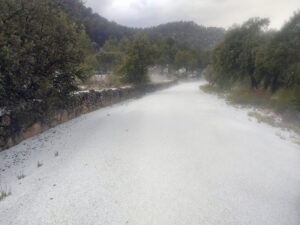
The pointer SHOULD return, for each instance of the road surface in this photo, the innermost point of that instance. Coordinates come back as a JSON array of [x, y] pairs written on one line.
[[174, 157]]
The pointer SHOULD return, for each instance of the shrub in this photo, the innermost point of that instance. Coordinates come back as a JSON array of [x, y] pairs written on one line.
[[263, 118], [39, 164], [21, 175], [4, 193], [133, 65], [42, 52]]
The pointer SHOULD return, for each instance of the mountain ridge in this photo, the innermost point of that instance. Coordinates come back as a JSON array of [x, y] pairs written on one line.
[[100, 29]]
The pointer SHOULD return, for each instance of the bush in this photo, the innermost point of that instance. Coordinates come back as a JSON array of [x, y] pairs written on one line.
[[263, 118], [4, 193], [21, 176]]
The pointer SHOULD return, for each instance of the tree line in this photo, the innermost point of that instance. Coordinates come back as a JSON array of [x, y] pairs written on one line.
[[48, 47], [43, 53], [254, 56], [100, 29], [188, 32], [130, 58]]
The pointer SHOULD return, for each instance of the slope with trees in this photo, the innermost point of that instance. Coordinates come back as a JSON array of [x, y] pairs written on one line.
[[263, 60], [188, 32], [100, 29]]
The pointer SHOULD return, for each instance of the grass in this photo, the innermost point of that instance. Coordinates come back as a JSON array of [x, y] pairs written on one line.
[[39, 164], [263, 118], [209, 88], [297, 142], [21, 176], [4, 193], [271, 121], [243, 96], [212, 89], [282, 102]]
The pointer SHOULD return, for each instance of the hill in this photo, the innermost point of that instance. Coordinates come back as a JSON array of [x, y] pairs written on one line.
[[99, 29], [188, 32]]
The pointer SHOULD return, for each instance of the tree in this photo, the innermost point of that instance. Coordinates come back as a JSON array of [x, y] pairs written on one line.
[[166, 50], [234, 58], [111, 54], [185, 59], [133, 66], [42, 52], [278, 61]]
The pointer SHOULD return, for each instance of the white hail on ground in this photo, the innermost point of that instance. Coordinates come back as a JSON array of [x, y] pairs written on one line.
[[177, 156]]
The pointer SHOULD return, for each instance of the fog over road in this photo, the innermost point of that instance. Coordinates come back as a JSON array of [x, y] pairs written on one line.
[[174, 157]]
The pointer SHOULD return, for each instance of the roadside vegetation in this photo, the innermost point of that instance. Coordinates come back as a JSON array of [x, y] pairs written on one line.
[[21, 175], [4, 192], [43, 54], [39, 164], [51, 48], [256, 66], [128, 60]]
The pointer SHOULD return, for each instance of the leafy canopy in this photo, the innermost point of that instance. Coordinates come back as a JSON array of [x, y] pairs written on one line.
[[42, 52]]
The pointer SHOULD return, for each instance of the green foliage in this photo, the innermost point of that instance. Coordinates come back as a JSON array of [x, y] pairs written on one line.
[[187, 32], [97, 28], [185, 59], [111, 54], [278, 63], [130, 58], [107, 60], [166, 50], [133, 66], [210, 89], [212, 75], [254, 57], [100, 29], [261, 118], [42, 52], [234, 58]]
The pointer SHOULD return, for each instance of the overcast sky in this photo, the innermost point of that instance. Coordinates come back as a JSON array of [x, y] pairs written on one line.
[[144, 13]]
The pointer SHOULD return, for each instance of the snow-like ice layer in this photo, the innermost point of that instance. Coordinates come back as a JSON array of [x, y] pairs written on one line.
[[177, 156]]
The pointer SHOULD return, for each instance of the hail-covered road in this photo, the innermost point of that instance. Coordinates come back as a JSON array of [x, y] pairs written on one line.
[[174, 157]]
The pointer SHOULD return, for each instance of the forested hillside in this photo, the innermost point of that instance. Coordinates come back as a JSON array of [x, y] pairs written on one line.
[[100, 29], [189, 32]]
